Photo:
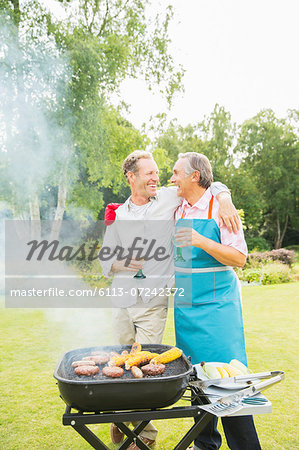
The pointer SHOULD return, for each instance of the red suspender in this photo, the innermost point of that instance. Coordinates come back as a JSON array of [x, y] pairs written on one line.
[[210, 208], [184, 212]]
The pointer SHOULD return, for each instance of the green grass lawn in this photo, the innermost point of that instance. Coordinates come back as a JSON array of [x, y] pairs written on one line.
[[32, 343]]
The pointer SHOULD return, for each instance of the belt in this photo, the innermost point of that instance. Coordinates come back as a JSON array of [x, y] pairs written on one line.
[[203, 269]]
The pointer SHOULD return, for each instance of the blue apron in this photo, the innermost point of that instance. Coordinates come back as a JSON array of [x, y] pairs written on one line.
[[208, 316]]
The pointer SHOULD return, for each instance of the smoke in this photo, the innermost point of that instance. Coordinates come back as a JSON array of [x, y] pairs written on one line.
[[82, 327], [35, 130], [36, 150], [4, 213]]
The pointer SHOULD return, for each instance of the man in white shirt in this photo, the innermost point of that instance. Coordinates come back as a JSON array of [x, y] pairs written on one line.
[[147, 213]]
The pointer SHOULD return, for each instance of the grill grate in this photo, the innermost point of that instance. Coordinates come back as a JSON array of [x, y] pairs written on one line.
[[66, 371]]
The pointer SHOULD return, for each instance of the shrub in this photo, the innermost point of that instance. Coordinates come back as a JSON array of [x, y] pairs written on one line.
[[251, 275], [271, 273], [282, 255], [275, 273]]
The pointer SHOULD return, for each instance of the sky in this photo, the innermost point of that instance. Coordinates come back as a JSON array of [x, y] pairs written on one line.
[[240, 54]]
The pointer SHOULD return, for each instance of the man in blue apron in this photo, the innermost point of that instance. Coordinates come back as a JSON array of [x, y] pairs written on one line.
[[208, 309]]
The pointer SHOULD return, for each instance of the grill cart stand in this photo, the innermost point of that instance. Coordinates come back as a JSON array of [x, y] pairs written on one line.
[[79, 420]]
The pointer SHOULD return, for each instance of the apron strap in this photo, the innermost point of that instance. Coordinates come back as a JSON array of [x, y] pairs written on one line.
[[210, 208]]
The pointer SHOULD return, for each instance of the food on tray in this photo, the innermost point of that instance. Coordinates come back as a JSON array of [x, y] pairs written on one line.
[[217, 370], [153, 369], [125, 352], [113, 354], [87, 370], [112, 372], [238, 365], [83, 363], [231, 370], [136, 348], [210, 371], [139, 358], [168, 356], [137, 373], [223, 372]]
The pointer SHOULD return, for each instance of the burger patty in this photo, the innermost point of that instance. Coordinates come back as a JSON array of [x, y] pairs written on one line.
[[112, 372], [153, 369]]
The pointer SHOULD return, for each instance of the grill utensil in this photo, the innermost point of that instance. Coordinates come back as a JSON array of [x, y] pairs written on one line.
[[233, 403], [237, 379]]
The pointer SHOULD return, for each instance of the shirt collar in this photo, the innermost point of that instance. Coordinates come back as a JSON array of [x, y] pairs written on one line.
[[127, 202], [202, 203]]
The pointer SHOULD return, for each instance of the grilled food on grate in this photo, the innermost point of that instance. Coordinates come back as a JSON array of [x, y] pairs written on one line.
[[87, 371], [118, 361], [83, 363], [168, 356], [153, 369], [136, 347], [137, 373], [139, 358]]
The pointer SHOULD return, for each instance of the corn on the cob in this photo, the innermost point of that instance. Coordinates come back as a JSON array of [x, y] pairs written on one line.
[[136, 348], [139, 358], [168, 356], [118, 360]]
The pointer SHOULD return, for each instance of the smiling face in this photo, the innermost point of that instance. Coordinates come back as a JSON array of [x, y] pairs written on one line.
[[145, 182], [179, 179]]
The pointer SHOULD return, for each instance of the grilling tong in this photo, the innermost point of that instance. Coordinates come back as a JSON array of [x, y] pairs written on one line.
[[234, 402]]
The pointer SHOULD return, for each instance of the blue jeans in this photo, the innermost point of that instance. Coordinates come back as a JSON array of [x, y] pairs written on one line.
[[239, 431]]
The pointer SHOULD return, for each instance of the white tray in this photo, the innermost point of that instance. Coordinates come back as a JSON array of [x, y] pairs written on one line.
[[226, 384]]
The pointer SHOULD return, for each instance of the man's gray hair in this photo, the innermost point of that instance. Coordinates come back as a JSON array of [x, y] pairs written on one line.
[[200, 163], [130, 164]]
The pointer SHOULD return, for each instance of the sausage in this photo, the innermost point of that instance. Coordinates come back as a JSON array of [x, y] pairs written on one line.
[[136, 372], [153, 369], [83, 363], [87, 371], [112, 372], [114, 354]]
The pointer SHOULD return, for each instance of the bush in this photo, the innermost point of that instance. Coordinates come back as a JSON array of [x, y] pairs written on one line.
[[271, 273], [275, 273], [281, 255], [252, 275]]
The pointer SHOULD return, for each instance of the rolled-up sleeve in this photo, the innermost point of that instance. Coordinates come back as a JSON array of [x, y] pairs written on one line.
[[235, 240], [218, 187]]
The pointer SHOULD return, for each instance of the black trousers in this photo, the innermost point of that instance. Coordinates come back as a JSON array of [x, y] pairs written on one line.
[[239, 431]]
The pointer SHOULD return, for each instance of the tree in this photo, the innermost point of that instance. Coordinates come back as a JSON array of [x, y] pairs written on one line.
[[101, 43], [218, 134], [214, 137], [270, 149]]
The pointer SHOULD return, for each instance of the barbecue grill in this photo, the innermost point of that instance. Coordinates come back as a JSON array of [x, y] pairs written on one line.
[[110, 394], [98, 399]]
